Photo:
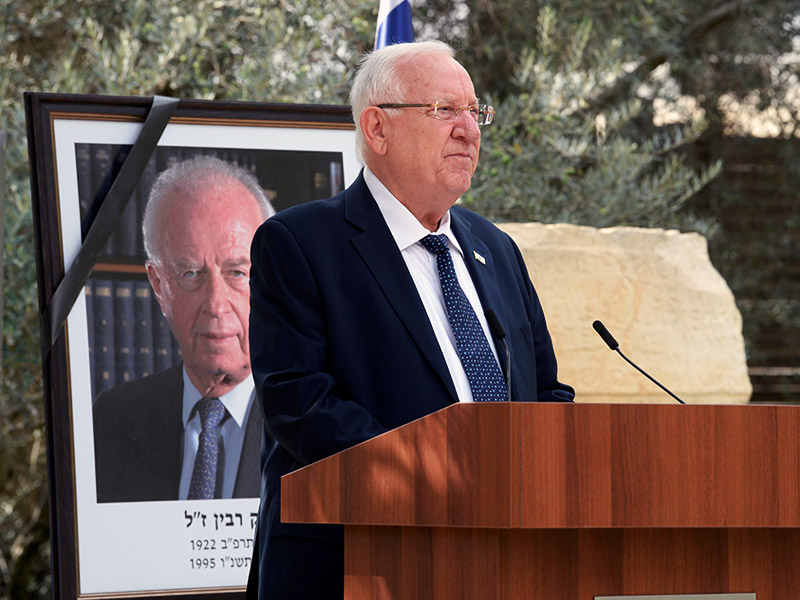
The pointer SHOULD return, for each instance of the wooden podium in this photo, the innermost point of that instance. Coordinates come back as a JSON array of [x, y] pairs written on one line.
[[565, 502]]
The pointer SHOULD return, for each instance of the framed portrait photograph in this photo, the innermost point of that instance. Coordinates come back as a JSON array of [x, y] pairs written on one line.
[[127, 519]]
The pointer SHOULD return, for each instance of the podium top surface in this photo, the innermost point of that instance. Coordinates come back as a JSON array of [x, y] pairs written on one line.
[[529, 465]]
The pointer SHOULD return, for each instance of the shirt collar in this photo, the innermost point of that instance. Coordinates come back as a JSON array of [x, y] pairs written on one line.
[[235, 401], [404, 227]]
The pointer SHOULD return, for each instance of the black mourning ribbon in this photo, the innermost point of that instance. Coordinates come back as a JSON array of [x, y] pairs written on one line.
[[67, 292]]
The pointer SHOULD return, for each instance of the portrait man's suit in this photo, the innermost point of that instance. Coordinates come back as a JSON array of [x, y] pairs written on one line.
[[343, 350], [138, 434]]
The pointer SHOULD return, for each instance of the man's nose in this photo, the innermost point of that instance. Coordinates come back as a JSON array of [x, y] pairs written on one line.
[[217, 292], [466, 127]]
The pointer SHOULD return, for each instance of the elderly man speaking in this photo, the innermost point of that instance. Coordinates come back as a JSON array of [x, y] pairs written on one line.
[[368, 310]]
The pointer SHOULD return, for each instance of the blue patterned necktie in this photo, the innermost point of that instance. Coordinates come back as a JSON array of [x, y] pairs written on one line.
[[483, 372], [204, 474]]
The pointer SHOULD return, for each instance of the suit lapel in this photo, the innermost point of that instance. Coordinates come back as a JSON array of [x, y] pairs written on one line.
[[377, 248], [248, 477], [169, 436]]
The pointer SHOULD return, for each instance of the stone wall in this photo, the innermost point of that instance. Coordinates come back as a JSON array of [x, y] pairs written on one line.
[[660, 297]]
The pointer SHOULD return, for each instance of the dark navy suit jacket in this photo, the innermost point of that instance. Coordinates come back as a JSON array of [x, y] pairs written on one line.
[[342, 350], [138, 433]]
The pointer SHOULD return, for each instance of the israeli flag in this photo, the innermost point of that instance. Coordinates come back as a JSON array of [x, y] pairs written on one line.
[[394, 23]]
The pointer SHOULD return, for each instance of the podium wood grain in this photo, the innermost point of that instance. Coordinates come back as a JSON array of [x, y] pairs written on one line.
[[566, 501]]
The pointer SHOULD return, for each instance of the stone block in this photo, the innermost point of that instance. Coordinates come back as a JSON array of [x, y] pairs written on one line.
[[659, 296]]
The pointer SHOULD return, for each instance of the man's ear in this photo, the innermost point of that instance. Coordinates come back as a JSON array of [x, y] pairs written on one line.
[[374, 126], [156, 283]]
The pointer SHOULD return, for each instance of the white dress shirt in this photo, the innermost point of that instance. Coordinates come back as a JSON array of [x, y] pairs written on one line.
[[407, 232], [238, 402]]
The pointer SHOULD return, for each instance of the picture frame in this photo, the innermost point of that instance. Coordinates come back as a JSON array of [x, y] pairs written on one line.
[[77, 143]]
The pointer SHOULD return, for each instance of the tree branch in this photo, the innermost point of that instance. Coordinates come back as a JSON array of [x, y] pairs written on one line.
[[695, 32], [715, 17]]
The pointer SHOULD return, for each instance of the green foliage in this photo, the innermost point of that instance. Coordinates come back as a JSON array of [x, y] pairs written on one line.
[[553, 157], [217, 49], [23, 506], [575, 86], [713, 47], [234, 49]]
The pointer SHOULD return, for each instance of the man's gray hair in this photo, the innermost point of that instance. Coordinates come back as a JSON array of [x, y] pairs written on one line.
[[377, 82], [189, 178]]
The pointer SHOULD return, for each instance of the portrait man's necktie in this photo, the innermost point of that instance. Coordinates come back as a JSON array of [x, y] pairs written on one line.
[[204, 474], [483, 372]]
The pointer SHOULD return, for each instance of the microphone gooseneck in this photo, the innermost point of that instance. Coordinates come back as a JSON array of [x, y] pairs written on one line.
[[498, 332], [614, 345]]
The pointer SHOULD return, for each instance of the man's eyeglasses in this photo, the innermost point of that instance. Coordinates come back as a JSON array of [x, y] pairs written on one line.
[[482, 114]]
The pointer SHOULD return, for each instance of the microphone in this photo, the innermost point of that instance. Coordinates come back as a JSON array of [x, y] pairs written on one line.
[[500, 334], [614, 345]]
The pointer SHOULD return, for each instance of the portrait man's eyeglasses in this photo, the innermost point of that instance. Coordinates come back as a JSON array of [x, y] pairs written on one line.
[[482, 114]]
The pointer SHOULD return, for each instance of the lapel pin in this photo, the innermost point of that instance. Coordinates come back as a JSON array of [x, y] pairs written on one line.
[[478, 257]]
